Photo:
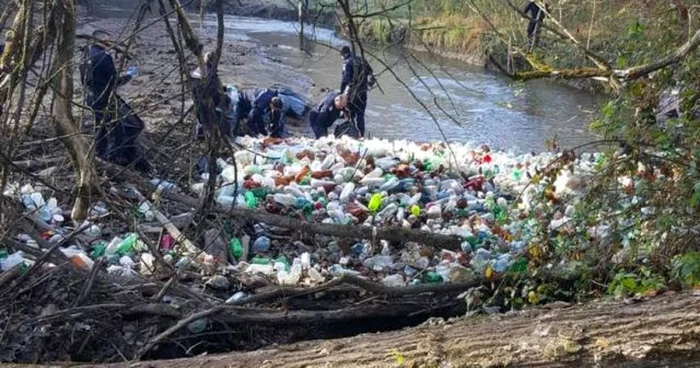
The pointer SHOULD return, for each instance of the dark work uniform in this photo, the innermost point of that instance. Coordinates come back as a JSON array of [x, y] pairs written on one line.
[[356, 72], [261, 115], [118, 126], [536, 16], [244, 105], [324, 115]]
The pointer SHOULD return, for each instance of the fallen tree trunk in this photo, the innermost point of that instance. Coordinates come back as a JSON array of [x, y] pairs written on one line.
[[662, 331]]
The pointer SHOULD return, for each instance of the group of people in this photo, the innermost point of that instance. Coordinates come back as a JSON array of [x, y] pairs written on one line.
[[251, 112], [240, 112], [257, 111]]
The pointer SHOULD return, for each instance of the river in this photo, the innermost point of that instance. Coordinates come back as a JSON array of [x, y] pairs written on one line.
[[469, 103], [473, 104]]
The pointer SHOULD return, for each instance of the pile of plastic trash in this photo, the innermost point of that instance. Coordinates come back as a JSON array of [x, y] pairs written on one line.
[[457, 190]]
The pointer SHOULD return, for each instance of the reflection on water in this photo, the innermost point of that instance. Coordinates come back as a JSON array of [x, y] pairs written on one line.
[[469, 103]]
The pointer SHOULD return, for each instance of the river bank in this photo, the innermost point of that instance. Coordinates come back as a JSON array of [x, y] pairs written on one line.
[[278, 241]]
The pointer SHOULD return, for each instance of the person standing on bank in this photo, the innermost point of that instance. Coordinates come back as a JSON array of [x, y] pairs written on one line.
[[357, 77], [536, 15], [118, 126]]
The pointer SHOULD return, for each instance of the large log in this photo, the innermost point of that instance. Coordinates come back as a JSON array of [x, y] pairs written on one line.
[[663, 331]]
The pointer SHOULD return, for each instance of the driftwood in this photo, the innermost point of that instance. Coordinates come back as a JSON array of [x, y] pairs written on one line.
[[170, 227], [341, 231], [234, 314]]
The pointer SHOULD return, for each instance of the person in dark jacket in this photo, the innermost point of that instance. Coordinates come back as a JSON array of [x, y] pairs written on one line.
[[536, 15], [244, 106], [265, 116], [118, 126], [326, 113], [356, 79]]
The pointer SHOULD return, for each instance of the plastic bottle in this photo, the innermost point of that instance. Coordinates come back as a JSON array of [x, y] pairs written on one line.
[[286, 200], [347, 191], [13, 260], [376, 173], [250, 200], [38, 199], [395, 280], [375, 202], [98, 249], [387, 211], [260, 260], [126, 261], [434, 212], [390, 185], [183, 262], [28, 202], [315, 276], [415, 211], [235, 248], [147, 264], [235, 297], [113, 245], [433, 277], [126, 246], [132, 71], [261, 245], [372, 181]]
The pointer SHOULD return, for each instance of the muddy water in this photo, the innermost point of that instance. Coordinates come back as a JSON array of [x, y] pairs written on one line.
[[472, 104]]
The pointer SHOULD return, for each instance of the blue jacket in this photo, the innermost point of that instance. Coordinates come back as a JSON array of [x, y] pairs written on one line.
[[261, 103], [326, 113], [99, 75], [356, 73]]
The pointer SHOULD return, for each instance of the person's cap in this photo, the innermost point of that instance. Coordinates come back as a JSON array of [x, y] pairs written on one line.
[[276, 103], [345, 50]]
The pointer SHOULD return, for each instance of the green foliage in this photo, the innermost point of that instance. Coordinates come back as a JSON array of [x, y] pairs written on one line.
[[686, 269], [632, 283]]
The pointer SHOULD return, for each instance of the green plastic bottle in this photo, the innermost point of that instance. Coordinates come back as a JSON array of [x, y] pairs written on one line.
[[260, 260], [517, 174], [472, 240], [98, 249], [433, 278], [415, 210], [127, 245], [283, 260], [375, 202], [250, 200], [236, 248]]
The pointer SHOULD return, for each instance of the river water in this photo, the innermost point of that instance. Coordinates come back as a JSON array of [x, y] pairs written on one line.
[[468, 102]]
